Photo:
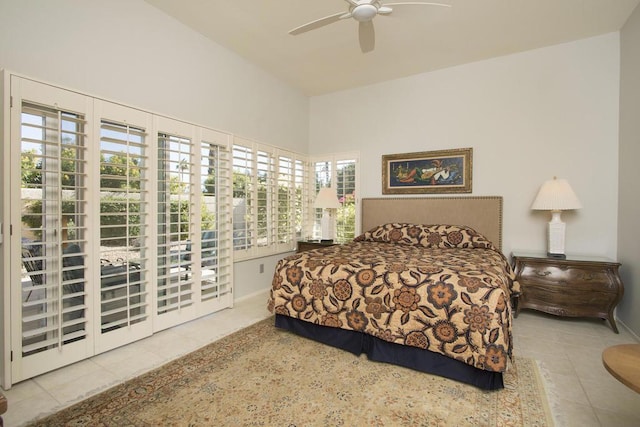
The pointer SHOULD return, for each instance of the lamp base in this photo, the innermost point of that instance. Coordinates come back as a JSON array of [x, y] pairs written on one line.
[[327, 224], [556, 256], [555, 236]]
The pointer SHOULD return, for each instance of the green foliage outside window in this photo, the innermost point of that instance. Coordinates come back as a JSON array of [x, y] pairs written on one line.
[[120, 216]]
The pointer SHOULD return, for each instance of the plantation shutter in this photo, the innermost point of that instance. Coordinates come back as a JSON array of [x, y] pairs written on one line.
[[285, 195], [265, 223], [53, 227], [243, 204], [47, 197], [346, 188], [302, 214], [175, 219], [340, 173], [124, 271], [215, 251]]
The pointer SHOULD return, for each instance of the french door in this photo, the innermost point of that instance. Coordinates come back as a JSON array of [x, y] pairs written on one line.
[[51, 294], [121, 226], [194, 269], [124, 267]]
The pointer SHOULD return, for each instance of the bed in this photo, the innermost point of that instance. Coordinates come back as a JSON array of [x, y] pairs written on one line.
[[425, 287]]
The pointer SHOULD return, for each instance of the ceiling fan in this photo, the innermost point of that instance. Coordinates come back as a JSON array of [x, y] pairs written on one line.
[[362, 11]]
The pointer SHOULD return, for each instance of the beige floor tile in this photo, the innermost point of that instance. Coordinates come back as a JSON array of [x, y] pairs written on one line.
[[569, 388], [612, 419], [140, 362], [84, 387], [613, 396], [20, 412], [62, 376], [169, 344], [577, 415], [24, 390], [555, 364]]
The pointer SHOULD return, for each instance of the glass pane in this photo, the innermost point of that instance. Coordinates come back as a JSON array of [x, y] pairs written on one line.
[[264, 208], [346, 188], [285, 202], [123, 231], [175, 213], [242, 197]]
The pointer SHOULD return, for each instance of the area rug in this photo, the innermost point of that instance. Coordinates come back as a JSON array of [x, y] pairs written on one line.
[[263, 376]]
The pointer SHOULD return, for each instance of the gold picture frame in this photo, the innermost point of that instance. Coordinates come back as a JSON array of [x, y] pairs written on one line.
[[435, 172]]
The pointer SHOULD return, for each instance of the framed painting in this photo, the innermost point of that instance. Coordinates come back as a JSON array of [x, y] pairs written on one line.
[[438, 172]]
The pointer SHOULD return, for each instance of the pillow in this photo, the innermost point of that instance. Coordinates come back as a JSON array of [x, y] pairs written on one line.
[[429, 236]]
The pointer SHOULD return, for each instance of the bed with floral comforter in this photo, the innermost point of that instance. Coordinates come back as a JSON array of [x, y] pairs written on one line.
[[441, 288]]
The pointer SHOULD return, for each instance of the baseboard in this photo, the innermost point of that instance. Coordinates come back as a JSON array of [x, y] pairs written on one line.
[[264, 292]]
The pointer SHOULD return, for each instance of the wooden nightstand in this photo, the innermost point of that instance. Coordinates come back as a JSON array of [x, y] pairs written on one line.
[[307, 245], [575, 287]]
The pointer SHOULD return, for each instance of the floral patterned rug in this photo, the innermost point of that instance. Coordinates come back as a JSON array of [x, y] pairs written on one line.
[[263, 376]]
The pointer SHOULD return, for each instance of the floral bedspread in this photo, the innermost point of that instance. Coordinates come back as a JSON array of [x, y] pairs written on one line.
[[439, 287]]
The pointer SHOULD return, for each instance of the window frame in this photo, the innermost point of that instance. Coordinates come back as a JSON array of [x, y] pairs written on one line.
[[313, 228], [268, 170]]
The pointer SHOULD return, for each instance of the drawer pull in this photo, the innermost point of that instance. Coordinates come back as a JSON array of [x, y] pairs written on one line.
[[542, 273]]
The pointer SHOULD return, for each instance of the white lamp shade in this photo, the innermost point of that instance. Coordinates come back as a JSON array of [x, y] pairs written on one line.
[[556, 195], [327, 198]]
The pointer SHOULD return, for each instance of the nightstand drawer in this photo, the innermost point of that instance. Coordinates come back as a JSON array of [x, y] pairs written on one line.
[[566, 301], [563, 277]]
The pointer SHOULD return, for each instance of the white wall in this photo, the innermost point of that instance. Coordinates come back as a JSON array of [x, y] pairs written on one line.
[[528, 117], [628, 220], [128, 51]]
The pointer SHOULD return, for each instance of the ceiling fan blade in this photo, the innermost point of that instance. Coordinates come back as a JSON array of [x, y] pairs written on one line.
[[367, 36], [352, 2], [317, 24], [405, 3]]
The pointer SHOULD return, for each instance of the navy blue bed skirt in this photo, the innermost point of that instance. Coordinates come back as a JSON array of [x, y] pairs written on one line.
[[383, 351]]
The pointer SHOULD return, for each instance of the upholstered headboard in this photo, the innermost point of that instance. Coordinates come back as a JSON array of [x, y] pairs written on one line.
[[483, 214]]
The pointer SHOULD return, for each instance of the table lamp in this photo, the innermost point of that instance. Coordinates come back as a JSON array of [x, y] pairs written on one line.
[[556, 196], [327, 200]]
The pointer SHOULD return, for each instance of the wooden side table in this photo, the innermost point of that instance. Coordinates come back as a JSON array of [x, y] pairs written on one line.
[[575, 287], [307, 245], [623, 362]]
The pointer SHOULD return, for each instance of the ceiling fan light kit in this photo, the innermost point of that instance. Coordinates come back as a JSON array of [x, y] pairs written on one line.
[[362, 11]]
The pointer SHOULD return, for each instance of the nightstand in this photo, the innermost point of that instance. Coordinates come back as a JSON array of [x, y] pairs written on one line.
[[307, 245], [574, 287]]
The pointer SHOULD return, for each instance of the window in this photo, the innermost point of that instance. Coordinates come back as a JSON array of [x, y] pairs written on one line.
[[268, 198], [346, 188], [340, 172]]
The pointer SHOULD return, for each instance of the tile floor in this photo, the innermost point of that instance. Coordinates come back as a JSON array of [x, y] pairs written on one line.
[[582, 393]]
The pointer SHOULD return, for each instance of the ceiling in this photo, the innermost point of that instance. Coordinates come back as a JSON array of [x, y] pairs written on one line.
[[412, 40]]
